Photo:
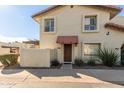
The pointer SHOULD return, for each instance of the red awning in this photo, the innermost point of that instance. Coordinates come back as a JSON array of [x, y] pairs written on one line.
[[67, 39]]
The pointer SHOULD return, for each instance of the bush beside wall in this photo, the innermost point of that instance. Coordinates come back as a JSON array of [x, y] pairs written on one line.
[[78, 62], [91, 62], [122, 57], [122, 62], [9, 59], [55, 62]]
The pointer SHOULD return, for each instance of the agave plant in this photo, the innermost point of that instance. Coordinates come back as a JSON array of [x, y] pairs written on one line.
[[122, 57], [108, 56]]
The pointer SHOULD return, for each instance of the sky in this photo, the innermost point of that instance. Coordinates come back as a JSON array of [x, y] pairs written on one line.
[[16, 23]]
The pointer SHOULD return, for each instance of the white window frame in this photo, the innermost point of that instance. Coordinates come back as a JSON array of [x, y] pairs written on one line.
[[83, 22], [43, 24]]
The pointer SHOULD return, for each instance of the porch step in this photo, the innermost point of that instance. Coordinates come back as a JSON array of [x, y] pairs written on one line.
[[66, 66]]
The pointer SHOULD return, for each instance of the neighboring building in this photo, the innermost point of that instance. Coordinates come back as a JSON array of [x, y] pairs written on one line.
[[4, 50], [14, 47], [78, 30], [34, 43], [11, 49]]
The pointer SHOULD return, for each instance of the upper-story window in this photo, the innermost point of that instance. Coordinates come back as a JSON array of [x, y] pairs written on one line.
[[49, 25], [90, 23]]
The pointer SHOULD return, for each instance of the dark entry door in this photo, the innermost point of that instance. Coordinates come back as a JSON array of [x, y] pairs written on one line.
[[67, 52]]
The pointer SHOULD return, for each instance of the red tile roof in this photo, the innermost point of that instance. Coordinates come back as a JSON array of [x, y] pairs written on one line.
[[114, 26], [114, 8], [67, 39], [45, 10]]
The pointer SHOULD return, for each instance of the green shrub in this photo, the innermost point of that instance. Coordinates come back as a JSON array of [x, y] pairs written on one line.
[[108, 56], [55, 62], [122, 62], [4, 61], [78, 62], [9, 59], [91, 62], [122, 54], [122, 57]]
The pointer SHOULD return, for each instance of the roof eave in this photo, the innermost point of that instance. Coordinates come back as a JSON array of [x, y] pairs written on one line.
[[113, 8], [112, 16], [46, 10]]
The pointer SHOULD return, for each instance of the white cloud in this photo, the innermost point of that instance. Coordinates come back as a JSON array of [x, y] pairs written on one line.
[[11, 39]]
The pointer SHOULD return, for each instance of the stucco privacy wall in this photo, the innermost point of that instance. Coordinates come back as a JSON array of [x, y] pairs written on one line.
[[36, 57]]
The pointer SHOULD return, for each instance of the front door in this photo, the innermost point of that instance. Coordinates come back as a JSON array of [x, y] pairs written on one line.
[[67, 52]]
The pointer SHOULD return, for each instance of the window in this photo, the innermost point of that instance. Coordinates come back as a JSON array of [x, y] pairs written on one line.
[[90, 23], [91, 48], [49, 25]]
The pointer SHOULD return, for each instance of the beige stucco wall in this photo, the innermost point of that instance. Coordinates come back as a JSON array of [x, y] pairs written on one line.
[[4, 51], [118, 20], [35, 58], [69, 22]]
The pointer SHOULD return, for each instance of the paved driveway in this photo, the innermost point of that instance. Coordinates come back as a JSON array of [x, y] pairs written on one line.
[[61, 78]]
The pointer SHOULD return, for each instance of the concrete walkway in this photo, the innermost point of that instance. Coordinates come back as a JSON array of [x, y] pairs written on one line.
[[66, 66], [61, 78]]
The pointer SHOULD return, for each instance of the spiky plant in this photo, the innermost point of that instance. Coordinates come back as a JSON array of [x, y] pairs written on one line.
[[122, 57], [108, 56], [91, 62]]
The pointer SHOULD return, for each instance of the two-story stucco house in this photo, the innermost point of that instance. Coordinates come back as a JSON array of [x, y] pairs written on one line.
[[77, 31]]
